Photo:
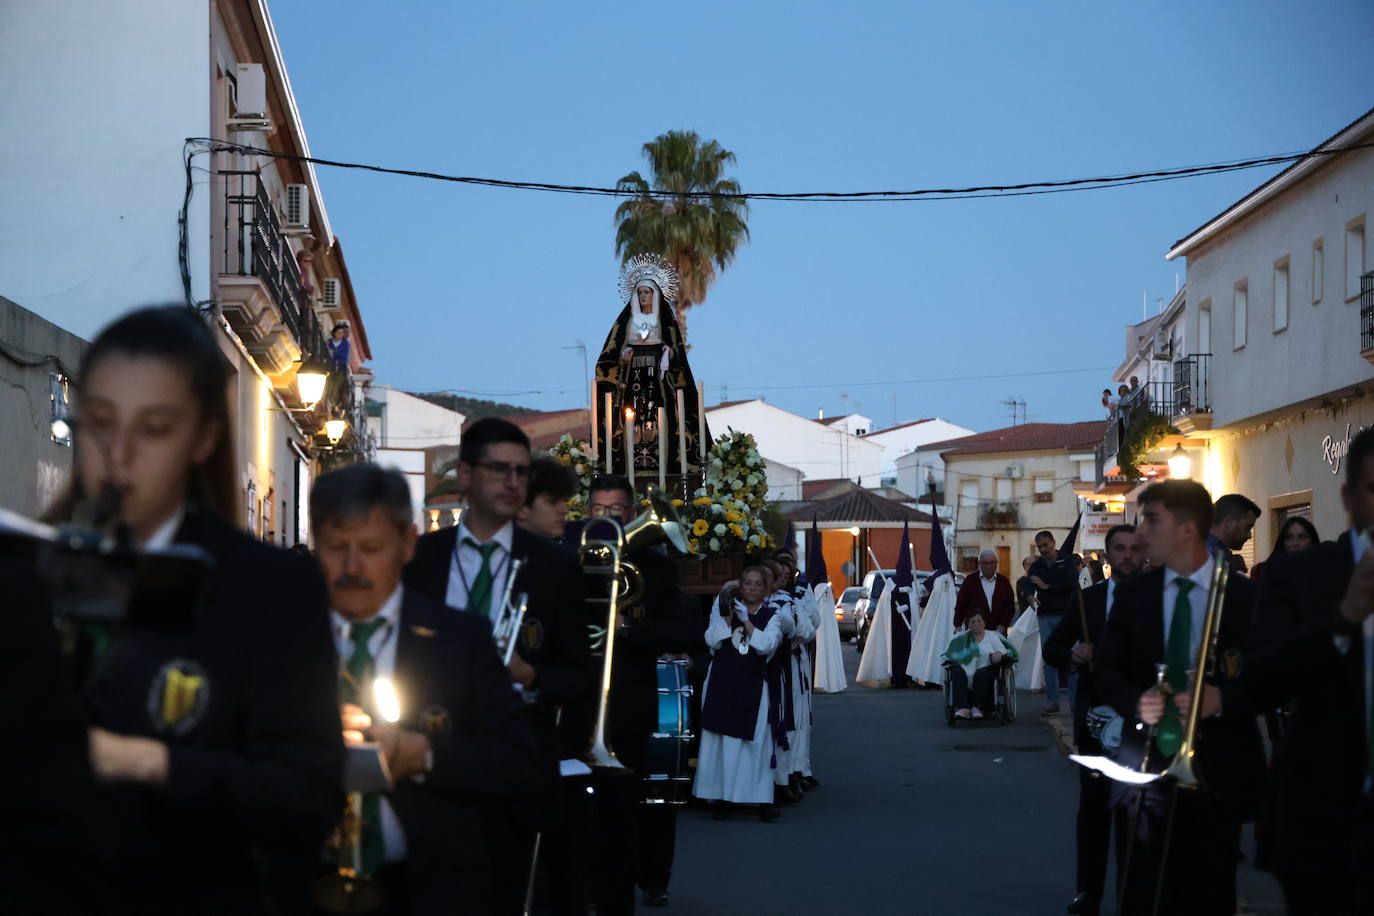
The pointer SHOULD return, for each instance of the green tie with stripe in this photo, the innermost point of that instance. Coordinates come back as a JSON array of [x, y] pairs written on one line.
[[1177, 656], [360, 670], [479, 596]]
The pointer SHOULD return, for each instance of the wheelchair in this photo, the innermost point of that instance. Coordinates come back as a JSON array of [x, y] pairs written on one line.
[[1003, 707]]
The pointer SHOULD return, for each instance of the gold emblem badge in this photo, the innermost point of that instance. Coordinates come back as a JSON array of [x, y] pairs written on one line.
[[1231, 664], [178, 697], [435, 720], [532, 634], [422, 632]]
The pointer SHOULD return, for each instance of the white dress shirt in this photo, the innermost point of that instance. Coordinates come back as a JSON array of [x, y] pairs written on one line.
[[162, 537], [466, 564], [989, 586], [1111, 597], [382, 645], [1197, 599]]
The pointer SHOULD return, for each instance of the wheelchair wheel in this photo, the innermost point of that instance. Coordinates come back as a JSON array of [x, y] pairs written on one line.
[[1009, 694], [949, 700]]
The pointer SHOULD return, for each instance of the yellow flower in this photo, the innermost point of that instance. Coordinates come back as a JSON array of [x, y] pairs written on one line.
[[677, 504], [736, 530], [700, 527], [732, 516], [694, 545], [702, 501]]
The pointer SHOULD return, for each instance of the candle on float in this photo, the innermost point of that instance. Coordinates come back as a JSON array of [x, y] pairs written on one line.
[[701, 423], [592, 424], [630, 445], [681, 437], [662, 451], [610, 430]]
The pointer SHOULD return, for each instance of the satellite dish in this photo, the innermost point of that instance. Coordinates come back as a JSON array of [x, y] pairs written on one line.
[[848, 569]]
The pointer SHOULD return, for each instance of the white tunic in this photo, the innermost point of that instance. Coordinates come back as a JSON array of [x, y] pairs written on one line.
[[808, 619], [730, 769]]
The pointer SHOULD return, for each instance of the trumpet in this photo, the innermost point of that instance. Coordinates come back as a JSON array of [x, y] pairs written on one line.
[[506, 628]]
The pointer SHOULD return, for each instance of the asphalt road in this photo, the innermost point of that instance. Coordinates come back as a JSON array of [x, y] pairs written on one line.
[[912, 817]]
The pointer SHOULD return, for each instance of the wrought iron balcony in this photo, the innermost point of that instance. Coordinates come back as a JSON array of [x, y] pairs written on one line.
[[260, 283], [1193, 393], [1367, 315], [1006, 515]]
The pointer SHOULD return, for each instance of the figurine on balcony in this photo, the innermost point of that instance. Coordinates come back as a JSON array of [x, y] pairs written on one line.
[[643, 369], [338, 345]]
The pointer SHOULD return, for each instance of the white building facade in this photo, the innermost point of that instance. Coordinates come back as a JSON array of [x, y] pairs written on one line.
[[818, 450]]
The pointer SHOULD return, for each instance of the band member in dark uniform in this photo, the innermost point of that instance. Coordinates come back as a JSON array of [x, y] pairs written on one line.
[[466, 567], [217, 744], [1313, 637], [1158, 617], [458, 739], [1070, 649], [639, 839]]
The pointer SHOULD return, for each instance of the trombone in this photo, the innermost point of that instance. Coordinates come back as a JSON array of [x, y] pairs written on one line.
[[606, 557]]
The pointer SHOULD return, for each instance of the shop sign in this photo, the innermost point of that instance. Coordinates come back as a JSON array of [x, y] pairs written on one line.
[[1095, 528], [1335, 449]]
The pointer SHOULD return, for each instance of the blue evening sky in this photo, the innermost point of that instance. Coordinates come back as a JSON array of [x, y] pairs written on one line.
[[478, 290]]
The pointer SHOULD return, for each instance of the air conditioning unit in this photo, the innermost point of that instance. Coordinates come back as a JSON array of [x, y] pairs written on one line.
[[1016, 471], [250, 99], [331, 296], [296, 219]]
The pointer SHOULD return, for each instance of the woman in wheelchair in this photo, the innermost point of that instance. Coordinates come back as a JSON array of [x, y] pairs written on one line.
[[973, 659]]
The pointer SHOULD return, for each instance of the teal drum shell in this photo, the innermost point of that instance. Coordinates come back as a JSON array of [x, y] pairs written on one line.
[[668, 780]]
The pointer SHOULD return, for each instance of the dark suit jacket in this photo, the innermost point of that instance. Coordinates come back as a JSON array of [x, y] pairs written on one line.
[[1001, 613], [1058, 653], [1319, 766], [256, 763], [661, 623], [1230, 756], [456, 691], [554, 638]]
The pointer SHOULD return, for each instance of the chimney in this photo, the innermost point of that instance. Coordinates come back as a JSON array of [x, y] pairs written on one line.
[[821, 414]]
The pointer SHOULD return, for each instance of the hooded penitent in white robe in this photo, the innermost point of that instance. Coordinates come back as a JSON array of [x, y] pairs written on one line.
[[875, 668], [731, 769], [1024, 636], [829, 663], [806, 620], [933, 633]]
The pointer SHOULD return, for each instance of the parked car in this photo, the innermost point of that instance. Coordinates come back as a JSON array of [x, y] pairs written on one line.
[[863, 613], [844, 610]]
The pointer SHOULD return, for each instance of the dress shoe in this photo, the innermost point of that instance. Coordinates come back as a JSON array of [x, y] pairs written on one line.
[[656, 897], [769, 812], [1082, 905], [782, 795], [811, 782]]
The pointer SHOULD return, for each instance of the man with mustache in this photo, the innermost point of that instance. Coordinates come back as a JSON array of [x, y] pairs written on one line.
[[458, 741]]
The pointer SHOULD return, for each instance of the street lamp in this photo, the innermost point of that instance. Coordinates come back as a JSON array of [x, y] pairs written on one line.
[[854, 531], [1180, 465], [310, 381], [334, 429]]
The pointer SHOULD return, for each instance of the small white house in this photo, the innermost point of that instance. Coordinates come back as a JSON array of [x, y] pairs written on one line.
[[816, 449]]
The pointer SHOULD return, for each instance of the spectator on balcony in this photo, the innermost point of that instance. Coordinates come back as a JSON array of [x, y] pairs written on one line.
[[1233, 518], [1135, 383], [1124, 394], [339, 347], [1296, 534], [1109, 402]]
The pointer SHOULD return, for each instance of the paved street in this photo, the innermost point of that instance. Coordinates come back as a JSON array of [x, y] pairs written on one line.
[[913, 817]]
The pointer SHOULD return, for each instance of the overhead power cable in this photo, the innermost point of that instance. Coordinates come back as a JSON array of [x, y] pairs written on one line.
[[984, 190]]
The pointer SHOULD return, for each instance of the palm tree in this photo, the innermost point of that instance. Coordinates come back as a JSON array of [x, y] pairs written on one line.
[[698, 235]]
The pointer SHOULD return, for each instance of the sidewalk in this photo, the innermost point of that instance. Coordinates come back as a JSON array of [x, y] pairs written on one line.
[[1258, 891]]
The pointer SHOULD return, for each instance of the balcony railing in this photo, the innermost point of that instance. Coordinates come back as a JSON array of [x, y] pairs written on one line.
[[254, 245], [1367, 312], [1192, 391], [1006, 515], [1155, 396]]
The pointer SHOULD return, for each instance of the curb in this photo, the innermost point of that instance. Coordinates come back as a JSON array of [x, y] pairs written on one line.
[[1061, 731]]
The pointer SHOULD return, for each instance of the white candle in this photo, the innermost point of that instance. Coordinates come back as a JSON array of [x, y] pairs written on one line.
[[630, 445], [662, 452], [592, 424], [681, 437], [701, 423], [609, 417]]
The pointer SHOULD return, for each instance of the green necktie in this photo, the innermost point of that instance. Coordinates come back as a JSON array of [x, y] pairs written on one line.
[[479, 596], [1178, 656], [359, 671]]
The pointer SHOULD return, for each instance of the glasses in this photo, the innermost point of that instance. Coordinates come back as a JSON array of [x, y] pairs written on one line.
[[504, 470], [614, 509]]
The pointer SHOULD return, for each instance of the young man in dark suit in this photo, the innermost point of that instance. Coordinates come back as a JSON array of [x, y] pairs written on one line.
[[1159, 617], [1313, 637], [458, 740], [1069, 648], [638, 839], [467, 568]]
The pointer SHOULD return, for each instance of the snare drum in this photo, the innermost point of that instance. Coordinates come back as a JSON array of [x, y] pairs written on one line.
[[668, 776]]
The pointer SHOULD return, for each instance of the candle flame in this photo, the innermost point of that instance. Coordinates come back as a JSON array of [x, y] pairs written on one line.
[[388, 705], [629, 413]]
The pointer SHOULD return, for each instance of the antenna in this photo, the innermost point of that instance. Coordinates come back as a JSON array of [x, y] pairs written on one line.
[[1015, 405], [1143, 313]]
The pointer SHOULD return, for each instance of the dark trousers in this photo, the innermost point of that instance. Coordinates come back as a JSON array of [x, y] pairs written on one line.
[[635, 842], [983, 679], [1200, 870], [563, 853], [1094, 832]]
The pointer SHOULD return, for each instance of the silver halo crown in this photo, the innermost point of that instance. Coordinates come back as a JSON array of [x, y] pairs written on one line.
[[648, 267]]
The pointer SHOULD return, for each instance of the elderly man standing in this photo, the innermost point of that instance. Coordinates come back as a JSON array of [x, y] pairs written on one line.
[[989, 593]]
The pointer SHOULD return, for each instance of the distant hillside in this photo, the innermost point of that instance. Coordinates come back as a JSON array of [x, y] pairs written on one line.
[[473, 408]]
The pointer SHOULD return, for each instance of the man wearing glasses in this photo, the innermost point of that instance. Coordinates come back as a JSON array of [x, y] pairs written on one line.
[[466, 567]]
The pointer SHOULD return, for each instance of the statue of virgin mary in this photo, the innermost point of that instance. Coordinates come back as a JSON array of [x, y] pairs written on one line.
[[643, 366]]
